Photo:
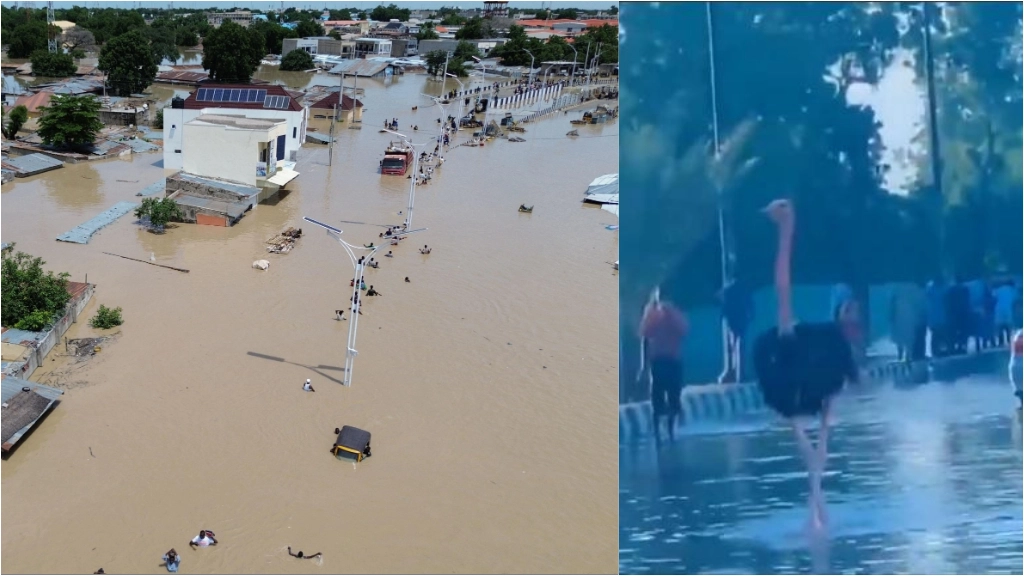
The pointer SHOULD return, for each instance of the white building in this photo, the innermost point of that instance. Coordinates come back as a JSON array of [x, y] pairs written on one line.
[[249, 101], [372, 47], [241, 17], [233, 148]]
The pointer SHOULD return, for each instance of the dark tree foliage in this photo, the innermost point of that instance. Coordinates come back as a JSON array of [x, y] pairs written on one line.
[[390, 12], [475, 28], [309, 27], [427, 32], [16, 118], [52, 64], [232, 53], [108, 23], [25, 39], [296, 60], [70, 121], [129, 62], [28, 290], [786, 131], [273, 36]]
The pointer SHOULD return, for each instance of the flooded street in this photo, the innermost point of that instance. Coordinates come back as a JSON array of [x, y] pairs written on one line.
[[489, 382], [924, 480]]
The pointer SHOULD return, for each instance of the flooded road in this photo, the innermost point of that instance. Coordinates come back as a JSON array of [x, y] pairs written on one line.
[[923, 481], [489, 382]]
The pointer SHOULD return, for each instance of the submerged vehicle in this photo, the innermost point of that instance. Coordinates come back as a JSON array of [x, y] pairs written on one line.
[[397, 160]]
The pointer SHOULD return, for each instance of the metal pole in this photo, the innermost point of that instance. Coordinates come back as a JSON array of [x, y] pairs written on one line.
[[933, 128], [586, 56], [722, 239], [412, 185], [575, 57]]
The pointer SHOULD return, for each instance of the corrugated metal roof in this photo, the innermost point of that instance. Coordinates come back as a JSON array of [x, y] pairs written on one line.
[[34, 101], [231, 209], [188, 77], [240, 189], [11, 386], [364, 68], [15, 336], [139, 146], [80, 234], [331, 100], [33, 163], [157, 187]]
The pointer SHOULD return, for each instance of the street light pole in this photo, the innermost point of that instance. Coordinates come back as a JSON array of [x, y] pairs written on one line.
[[444, 115], [532, 59], [575, 57], [462, 98], [415, 175], [359, 264]]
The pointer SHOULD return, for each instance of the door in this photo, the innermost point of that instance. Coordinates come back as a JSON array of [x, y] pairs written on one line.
[[280, 146]]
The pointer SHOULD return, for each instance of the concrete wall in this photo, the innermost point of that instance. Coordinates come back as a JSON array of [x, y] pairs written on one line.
[[37, 354], [176, 118], [216, 151]]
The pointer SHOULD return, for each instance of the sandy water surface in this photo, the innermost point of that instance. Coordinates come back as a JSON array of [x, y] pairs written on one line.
[[488, 382]]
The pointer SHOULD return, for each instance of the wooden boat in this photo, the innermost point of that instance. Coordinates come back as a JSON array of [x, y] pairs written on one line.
[[525, 209]]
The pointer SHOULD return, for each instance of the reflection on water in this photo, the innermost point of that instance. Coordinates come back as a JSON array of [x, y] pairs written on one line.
[[921, 481], [488, 381]]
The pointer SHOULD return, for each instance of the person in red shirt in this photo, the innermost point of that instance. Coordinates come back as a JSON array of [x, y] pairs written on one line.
[[662, 330]]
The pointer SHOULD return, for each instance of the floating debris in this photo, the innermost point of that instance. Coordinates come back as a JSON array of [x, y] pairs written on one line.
[[284, 242]]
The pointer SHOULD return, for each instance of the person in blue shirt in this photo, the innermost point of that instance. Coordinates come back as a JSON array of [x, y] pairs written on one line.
[[737, 313], [172, 560]]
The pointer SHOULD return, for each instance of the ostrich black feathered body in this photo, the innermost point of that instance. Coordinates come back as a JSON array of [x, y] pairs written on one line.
[[799, 370]]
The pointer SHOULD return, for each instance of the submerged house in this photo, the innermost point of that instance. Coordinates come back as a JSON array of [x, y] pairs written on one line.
[[230, 165], [24, 405], [349, 109], [246, 100]]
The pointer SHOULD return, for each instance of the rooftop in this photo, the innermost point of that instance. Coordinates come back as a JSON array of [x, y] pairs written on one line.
[[239, 122], [257, 97]]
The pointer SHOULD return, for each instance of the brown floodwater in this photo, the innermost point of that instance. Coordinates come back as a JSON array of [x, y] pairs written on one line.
[[489, 382]]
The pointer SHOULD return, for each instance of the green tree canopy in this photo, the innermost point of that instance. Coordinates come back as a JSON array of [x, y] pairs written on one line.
[[25, 39], [163, 43], [27, 289], [108, 23], [390, 12], [343, 14], [273, 36], [128, 60], [309, 27], [474, 29], [427, 32], [297, 60], [567, 14], [605, 36], [16, 118], [52, 64], [70, 121], [232, 53], [465, 51]]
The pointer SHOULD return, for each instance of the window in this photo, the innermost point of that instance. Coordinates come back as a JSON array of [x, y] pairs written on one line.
[[295, 132]]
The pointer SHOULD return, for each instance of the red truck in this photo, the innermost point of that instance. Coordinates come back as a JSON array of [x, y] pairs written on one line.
[[397, 160]]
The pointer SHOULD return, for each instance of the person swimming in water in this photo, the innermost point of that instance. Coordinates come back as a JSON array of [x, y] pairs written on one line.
[[302, 556], [389, 254], [372, 292], [205, 538], [171, 561], [308, 386], [407, 279]]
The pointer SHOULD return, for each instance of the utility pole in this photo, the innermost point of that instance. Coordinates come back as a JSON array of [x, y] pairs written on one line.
[[51, 39], [937, 198]]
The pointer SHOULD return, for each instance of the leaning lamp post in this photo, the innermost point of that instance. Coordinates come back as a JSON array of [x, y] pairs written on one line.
[[359, 264], [532, 59]]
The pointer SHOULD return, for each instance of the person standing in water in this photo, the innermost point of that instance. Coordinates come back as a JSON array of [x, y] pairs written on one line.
[[172, 560], [662, 331]]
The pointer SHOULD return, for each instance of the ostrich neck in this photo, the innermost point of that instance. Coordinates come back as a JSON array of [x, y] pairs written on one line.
[[782, 275]]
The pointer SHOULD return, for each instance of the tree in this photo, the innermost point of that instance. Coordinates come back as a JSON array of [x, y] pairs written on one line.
[[475, 29], [343, 14], [70, 121], [163, 43], [156, 214], [16, 118], [52, 64], [273, 36], [566, 14], [453, 19], [27, 289], [106, 318], [232, 53], [334, 34], [108, 23], [390, 12], [78, 38], [297, 61], [308, 28], [614, 10], [464, 51], [128, 60], [435, 62], [186, 37], [26, 39], [427, 32], [604, 35], [512, 51], [158, 121]]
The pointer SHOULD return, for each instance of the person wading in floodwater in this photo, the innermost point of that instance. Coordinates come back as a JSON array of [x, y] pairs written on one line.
[[662, 331]]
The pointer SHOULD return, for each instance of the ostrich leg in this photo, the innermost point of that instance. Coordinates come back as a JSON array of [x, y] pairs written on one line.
[[814, 469], [822, 455]]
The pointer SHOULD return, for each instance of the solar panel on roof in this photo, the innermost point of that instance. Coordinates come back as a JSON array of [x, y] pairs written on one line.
[[235, 94], [201, 94], [218, 95], [252, 95]]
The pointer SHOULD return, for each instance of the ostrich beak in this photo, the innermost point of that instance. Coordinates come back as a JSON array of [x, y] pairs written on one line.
[[766, 209]]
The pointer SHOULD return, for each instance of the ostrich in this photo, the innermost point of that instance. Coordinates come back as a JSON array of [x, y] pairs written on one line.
[[802, 366]]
